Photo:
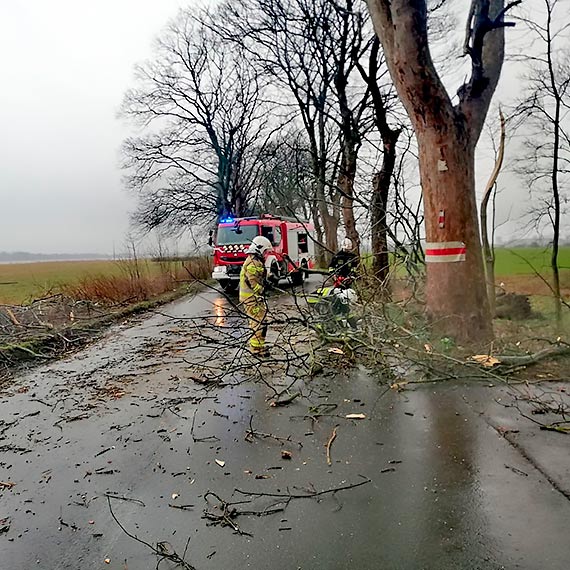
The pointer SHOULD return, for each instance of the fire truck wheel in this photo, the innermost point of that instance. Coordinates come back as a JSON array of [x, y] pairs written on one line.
[[229, 286]]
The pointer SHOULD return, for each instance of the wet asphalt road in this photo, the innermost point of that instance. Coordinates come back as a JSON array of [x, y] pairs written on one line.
[[446, 490]]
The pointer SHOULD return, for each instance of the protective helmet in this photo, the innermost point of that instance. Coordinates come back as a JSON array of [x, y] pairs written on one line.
[[259, 245], [347, 244]]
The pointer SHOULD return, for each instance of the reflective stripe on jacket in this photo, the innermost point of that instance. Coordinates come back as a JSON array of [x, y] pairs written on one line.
[[252, 278]]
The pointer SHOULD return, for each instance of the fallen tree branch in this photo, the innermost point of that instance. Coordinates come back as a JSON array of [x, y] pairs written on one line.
[[528, 359]]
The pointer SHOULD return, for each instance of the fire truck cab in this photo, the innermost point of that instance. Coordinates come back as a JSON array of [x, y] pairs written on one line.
[[288, 236]]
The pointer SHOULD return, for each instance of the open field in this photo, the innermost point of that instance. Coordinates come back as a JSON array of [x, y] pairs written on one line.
[[23, 282], [515, 261]]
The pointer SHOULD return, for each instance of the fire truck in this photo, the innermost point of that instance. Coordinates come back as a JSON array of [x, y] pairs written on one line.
[[288, 236]]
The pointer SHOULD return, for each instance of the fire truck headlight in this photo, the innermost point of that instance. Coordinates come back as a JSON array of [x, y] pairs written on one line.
[[220, 269]]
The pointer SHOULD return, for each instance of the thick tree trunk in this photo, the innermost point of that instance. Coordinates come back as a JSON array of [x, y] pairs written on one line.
[[447, 135], [456, 296], [330, 226]]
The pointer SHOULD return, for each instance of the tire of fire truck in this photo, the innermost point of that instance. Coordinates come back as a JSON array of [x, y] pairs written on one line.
[[228, 285]]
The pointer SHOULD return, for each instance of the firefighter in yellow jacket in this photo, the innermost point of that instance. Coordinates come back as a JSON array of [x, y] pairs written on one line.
[[252, 282]]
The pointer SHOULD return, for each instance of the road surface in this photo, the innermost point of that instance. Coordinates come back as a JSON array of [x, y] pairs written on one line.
[[125, 417]]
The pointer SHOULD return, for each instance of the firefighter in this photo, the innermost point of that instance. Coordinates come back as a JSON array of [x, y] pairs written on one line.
[[344, 262], [252, 283]]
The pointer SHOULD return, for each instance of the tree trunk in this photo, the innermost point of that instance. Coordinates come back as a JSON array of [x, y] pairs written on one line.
[[379, 209], [329, 223], [554, 174], [456, 295], [346, 187], [319, 250], [488, 252], [447, 134]]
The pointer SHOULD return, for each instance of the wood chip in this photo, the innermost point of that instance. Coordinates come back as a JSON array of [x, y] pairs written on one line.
[[355, 416], [485, 360]]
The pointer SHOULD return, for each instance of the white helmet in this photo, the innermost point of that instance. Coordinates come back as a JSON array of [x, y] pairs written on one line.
[[259, 245], [347, 244]]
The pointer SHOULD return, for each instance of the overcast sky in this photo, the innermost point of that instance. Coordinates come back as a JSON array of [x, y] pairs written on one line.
[[65, 66]]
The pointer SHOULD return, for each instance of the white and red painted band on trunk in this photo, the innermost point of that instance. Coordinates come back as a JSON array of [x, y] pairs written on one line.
[[445, 252]]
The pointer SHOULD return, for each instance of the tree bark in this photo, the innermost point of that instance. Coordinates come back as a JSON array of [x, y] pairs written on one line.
[[456, 297], [555, 169], [382, 180], [488, 252], [379, 209], [346, 186]]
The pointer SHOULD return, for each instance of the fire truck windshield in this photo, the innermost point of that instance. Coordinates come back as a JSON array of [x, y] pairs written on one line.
[[229, 235]]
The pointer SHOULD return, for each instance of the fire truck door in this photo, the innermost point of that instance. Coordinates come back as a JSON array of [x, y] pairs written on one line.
[[293, 245]]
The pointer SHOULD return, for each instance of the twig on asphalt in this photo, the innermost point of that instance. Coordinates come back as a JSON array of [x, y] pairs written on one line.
[[123, 498], [181, 507], [161, 548], [329, 443], [251, 433], [195, 439], [308, 495]]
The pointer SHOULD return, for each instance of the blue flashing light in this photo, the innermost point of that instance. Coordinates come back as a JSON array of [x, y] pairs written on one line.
[[227, 220]]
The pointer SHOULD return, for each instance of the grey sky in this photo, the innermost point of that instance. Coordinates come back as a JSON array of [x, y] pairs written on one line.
[[65, 66]]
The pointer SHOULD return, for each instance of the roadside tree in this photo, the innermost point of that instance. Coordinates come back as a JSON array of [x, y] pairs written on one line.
[[543, 116], [447, 135], [204, 124]]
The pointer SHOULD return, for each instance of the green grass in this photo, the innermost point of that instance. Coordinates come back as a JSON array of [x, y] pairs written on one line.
[[511, 261]]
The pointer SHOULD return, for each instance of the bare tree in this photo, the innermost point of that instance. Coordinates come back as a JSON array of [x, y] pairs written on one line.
[[296, 43], [381, 182], [447, 135], [488, 250], [204, 121], [544, 114], [346, 27], [286, 177]]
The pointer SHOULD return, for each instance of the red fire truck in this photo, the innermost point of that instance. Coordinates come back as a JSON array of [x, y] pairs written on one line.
[[288, 236]]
